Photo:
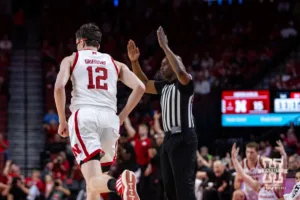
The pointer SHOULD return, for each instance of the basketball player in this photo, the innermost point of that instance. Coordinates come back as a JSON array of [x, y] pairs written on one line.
[[269, 191], [295, 193], [94, 125], [252, 165]]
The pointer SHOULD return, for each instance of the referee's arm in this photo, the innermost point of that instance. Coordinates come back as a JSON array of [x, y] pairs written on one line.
[[134, 54], [175, 61]]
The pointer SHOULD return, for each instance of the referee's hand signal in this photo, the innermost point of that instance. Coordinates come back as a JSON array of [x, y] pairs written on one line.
[[133, 51]]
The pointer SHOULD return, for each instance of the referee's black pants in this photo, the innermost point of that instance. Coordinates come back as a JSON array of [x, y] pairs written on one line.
[[178, 164]]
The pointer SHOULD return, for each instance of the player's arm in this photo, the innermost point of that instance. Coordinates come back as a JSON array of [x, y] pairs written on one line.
[[129, 129], [239, 170], [59, 92], [137, 86], [134, 54], [175, 61], [237, 182]]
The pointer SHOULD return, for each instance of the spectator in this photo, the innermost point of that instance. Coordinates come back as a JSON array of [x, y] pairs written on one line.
[[59, 166], [289, 31], [141, 144], [3, 145], [52, 130], [18, 190], [59, 191], [35, 180], [207, 61], [51, 115], [202, 86], [5, 44], [218, 182]]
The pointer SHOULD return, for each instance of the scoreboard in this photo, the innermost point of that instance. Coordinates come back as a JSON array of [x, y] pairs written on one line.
[[259, 108], [288, 102], [235, 102]]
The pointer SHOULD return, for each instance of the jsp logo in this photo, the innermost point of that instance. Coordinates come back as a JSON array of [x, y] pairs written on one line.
[[273, 170]]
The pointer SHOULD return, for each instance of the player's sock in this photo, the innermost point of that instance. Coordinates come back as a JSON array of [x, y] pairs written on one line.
[[111, 185]]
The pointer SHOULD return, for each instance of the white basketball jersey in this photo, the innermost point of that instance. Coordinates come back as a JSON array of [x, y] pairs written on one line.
[[295, 193], [94, 79], [264, 194], [257, 174]]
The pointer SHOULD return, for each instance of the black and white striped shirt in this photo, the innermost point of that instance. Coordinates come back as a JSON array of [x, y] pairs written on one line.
[[176, 104]]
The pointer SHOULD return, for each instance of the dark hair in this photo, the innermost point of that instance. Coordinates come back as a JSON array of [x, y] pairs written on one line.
[[253, 145], [91, 33]]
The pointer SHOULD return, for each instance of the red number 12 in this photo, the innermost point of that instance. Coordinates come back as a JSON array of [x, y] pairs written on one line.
[[103, 77]]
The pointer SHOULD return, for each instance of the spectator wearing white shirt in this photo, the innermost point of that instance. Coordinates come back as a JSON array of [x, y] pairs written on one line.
[[202, 86], [289, 31]]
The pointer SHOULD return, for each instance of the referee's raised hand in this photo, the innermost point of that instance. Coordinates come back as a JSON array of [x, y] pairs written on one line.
[[133, 51]]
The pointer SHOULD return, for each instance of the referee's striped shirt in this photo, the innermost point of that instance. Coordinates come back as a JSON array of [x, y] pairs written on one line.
[[176, 104]]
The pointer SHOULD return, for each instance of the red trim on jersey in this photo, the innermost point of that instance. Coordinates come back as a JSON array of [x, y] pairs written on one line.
[[112, 60], [93, 154], [78, 135], [75, 61]]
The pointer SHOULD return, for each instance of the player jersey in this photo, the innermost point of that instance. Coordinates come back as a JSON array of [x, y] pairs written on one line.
[[294, 194], [94, 79], [265, 194], [257, 174]]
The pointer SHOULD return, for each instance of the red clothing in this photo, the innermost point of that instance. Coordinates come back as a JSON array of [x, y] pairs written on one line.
[[58, 173], [141, 150], [39, 183], [2, 149]]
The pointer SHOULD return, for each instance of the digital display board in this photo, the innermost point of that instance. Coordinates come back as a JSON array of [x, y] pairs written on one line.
[[256, 108], [250, 102], [287, 102]]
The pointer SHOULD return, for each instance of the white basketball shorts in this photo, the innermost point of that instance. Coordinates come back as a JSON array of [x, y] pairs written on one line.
[[93, 131]]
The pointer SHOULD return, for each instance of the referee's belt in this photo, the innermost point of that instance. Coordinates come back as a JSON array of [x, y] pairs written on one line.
[[174, 130]]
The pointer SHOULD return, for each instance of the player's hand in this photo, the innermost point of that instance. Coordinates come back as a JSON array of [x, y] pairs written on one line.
[[63, 129], [162, 38], [133, 51], [234, 152], [280, 148]]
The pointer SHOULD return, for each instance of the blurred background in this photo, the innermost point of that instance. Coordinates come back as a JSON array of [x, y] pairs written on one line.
[[243, 56]]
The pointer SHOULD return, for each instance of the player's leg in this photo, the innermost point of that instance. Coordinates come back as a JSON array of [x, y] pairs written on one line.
[[86, 146], [97, 182], [183, 160], [167, 173], [126, 184]]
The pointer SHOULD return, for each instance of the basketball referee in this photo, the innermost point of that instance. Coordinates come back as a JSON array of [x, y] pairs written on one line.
[[178, 153]]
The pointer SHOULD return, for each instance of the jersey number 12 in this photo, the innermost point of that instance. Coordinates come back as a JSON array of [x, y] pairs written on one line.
[[99, 78]]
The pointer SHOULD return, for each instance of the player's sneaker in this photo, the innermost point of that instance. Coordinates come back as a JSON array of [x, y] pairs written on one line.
[[126, 186]]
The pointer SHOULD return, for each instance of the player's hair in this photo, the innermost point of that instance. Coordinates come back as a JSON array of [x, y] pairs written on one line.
[[253, 145], [90, 33]]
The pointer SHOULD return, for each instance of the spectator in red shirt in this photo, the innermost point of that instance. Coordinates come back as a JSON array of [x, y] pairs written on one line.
[[59, 166], [3, 146], [35, 180], [141, 142], [11, 171]]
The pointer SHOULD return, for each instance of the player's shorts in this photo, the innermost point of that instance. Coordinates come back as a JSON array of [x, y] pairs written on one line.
[[94, 131]]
